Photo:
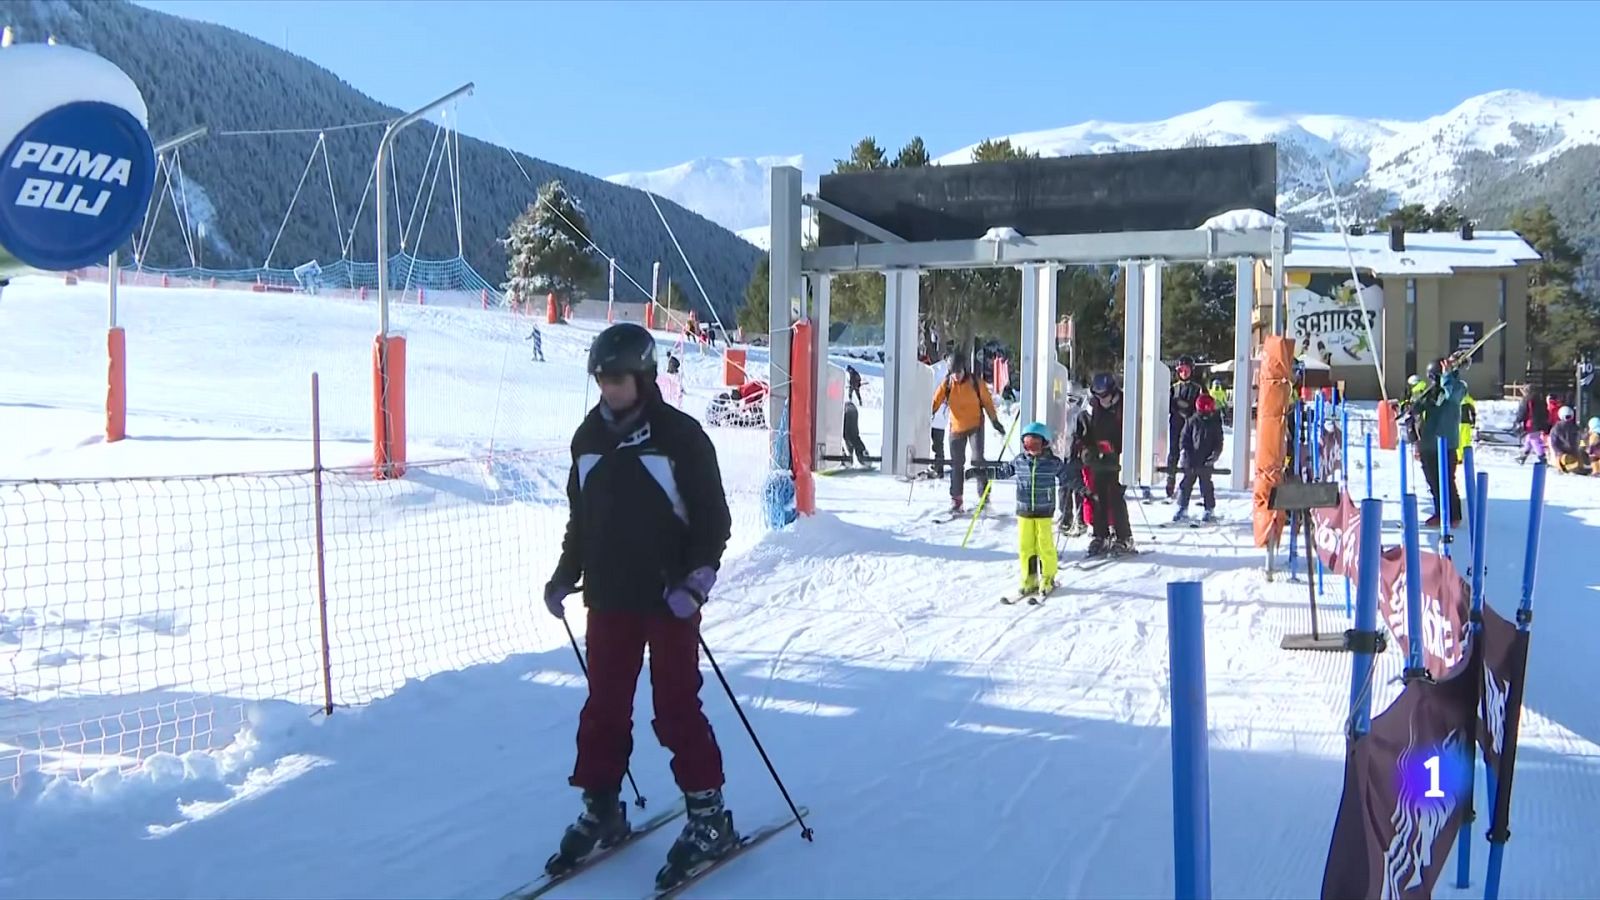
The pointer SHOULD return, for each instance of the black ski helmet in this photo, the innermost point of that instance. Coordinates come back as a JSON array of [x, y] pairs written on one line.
[[959, 364], [1185, 360], [623, 349], [1435, 371]]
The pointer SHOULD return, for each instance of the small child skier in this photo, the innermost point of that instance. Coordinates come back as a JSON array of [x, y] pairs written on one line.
[[1201, 445], [1039, 474]]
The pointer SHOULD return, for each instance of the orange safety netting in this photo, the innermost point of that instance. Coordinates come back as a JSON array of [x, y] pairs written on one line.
[[1277, 364]]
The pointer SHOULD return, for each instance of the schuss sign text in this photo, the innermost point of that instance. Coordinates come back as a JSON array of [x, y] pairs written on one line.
[[73, 162]]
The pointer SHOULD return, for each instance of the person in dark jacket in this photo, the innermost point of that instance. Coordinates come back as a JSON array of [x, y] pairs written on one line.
[[648, 525], [1201, 445], [1439, 421], [1533, 417], [1040, 476], [854, 449], [1180, 408], [1098, 443], [1567, 453], [854, 381]]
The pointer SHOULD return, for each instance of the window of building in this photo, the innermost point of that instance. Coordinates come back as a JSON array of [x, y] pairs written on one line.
[[1411, 326], [1502, 341]]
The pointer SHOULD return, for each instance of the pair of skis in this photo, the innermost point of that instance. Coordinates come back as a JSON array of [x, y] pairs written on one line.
[[547, 882], [1033, 598]]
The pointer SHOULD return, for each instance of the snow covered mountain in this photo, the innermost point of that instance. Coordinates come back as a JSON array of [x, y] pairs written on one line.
[[1379, 162], [734, 192]]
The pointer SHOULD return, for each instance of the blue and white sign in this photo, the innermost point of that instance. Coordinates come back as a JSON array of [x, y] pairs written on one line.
[[74, 184]]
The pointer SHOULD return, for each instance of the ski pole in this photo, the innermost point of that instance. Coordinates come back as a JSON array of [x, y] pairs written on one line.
[[805, 830], [986, 488], [638, 799]]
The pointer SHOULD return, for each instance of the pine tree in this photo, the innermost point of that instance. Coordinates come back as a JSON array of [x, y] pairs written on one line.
[[753, 317], [546, 250], [1197, 306], [912, 155], [1563, 320]]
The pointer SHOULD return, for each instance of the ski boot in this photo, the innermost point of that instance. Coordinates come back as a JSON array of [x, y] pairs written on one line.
[[602, 825], [1182, 515], [1123, 547], [1098, 546], [955, 506], [1209, 517], [707, 836], [1172, 487], [1047, 586]]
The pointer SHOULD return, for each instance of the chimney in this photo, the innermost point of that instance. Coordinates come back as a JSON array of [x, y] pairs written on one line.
[[1397, 236], [1466, 229]]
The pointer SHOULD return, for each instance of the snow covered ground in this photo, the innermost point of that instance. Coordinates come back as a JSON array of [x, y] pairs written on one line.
[[946, 745]]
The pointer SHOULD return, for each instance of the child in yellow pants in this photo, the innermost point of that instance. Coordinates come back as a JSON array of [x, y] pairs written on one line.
[[1041, 478]]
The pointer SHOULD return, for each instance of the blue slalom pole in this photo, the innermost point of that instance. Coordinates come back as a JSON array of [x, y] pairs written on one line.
[[1294, 467], [1369, 464], [1470, 468], [1478, 490], [1445, 484], [1191, 776], [1499, 827], [1405, 470], [1316, 475], [1413, 550], [1368, 562]]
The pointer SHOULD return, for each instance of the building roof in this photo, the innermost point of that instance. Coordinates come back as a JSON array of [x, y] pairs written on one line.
[[1426, 253]]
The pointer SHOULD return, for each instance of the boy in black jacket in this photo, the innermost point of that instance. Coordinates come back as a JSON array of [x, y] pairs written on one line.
[[1201, 446], [1098, 442]]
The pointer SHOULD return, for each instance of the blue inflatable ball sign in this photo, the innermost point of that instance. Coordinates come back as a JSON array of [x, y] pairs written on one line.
[[74, 184]]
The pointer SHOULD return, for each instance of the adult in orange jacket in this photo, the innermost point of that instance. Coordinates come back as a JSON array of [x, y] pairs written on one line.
[[968, 400]]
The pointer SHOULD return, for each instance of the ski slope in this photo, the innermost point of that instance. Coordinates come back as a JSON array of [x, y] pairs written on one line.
[[947, 746]]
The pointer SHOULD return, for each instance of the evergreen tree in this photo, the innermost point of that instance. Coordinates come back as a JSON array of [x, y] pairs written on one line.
[[1415, 217], [1197, 304], [1563, 320], [754, 315], [1089, 295], [865, 155], [912, 155], [546, 249]]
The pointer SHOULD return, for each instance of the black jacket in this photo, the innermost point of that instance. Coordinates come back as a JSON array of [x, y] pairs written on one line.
[[1098, 441], [1181, 404], [1201, 441], [647, 508]]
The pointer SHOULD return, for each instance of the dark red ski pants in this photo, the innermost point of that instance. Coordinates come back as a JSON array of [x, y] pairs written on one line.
[[616, 642]]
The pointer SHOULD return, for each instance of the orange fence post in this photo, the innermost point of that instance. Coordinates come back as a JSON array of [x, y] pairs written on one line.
[[650, 315], [550, 315], [1277, 364], [116, 384], [802, 419], [389, 406], [733, 367]]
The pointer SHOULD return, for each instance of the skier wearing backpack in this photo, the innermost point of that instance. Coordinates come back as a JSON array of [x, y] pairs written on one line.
[[968, 401]]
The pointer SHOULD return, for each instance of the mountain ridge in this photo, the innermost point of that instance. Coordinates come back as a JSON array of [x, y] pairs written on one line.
[[1492, 145], [198, 73]]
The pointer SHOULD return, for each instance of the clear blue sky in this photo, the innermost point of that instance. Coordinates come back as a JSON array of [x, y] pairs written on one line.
[[612, 87]]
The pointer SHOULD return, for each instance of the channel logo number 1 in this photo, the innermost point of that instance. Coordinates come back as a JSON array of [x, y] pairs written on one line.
[[1432, 765]]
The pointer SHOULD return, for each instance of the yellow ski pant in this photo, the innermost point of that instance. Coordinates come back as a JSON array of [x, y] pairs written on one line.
[[1037, 541]]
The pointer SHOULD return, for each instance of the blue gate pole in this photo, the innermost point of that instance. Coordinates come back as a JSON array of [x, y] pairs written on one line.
[[1443, 506], [1191, 776], [1499, 831], [1294, 467], [1470, 467], [1316, 475], [1405, 472], [1369, 561], [1369, 464], [1413, 550], [1479, 491]]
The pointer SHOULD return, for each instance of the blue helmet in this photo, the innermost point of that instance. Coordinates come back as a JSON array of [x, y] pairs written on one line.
[[1103, 383], [1039, 430]]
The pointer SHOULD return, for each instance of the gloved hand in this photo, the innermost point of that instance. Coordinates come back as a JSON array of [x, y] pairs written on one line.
[[690, 594], [555, 595], [998, 428]]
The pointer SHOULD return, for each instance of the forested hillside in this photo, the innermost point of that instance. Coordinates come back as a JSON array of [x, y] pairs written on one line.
[[194, 73]]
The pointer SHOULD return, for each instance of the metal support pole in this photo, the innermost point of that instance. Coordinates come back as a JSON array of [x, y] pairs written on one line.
[[1413, 552], [1132, 393], [783, 289], [382, 207], [1368, 564], [1244, 303]]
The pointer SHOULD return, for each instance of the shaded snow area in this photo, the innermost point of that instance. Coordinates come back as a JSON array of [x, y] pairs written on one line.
[[946, 745]]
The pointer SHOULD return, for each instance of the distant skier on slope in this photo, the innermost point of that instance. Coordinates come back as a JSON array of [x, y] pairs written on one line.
[[538, 343], [1098, 443], [648, 525], [1180, 407]]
